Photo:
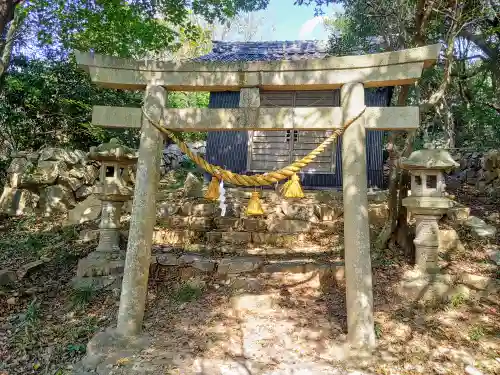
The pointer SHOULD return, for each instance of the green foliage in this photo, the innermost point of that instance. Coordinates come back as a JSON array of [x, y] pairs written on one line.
[[75, 349], [187, 293], [35, 239], [49, 103], [457, 300], [465, 108], [81, 297], [378, 330], [27, 329], [180, 99], [476, 333]]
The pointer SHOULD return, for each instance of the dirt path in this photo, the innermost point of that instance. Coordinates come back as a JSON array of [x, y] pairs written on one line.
[[291, 325]]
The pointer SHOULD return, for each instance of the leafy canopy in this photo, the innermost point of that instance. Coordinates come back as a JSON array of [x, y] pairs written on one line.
[[127, 28]]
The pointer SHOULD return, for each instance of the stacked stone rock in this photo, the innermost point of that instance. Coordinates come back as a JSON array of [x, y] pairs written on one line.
[[196, 240], [173, 156], [481, 170], [49, 181], [191, 220]]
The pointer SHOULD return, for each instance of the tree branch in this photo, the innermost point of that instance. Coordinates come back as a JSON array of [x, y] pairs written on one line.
[[494, 106], [480, 42]]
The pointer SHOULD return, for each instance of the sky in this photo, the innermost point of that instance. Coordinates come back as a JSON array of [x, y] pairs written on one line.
[[284, 21]]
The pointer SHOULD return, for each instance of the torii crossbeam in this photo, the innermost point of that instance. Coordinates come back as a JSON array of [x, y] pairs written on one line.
[[351, 74]]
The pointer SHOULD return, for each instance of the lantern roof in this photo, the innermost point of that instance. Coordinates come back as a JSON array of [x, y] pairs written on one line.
[[113, 151], [431, 159]]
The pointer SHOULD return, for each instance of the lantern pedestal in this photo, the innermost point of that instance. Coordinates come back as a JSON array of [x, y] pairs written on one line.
[[427, 211]]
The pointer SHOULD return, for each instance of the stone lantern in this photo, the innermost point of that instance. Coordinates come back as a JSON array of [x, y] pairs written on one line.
[[112, 190], [428, 203], [103, 268]]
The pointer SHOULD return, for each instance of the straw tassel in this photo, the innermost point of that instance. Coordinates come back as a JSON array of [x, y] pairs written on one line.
[[213, 189], [254, 205], [292, 188]]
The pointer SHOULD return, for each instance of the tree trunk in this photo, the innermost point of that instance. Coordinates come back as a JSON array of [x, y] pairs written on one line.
[[394, 176], [7, 11], [9, 41]]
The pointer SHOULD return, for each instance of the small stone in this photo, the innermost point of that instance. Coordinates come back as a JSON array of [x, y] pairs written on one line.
[[327, 212], [297, 211], [494, 217], [254, 224], [458, 291], [91, 174], [205, 265], [261, 238], [87, 210], [200, 209], [72, 182], [476, 281], [15, 201], [285, 266], [59, 154], [288, 226], [57, 198], [25, 269], [188, 259], [193, 186], [7, 277], [458, 213], [227, 223], [173, 237], [236, 237], [83, 192], [239, 265], [167, 259], [493, 252], [233, 210], [200, 223], [12, 301], [480, 228], [167, 209], [17, 168], [214, 237], [89, 235], [177, 222], [449, 241], [45, 173]]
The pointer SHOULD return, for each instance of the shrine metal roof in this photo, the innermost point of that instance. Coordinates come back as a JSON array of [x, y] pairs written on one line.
[[266, 51]]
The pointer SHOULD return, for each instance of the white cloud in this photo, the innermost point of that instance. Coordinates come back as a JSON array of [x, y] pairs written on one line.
[[308, 27]]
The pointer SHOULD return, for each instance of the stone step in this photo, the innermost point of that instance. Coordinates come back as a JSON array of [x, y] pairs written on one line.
[[179, 237], [307, 249], [234, 265]]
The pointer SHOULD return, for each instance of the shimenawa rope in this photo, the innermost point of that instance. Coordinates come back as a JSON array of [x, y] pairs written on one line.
[[268, 178]]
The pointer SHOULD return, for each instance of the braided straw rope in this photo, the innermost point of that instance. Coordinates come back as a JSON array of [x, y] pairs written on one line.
[[267, 178]]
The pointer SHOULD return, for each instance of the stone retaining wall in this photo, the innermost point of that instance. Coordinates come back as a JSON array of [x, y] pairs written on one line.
[[481, 170], [310, 225], [49, 181]]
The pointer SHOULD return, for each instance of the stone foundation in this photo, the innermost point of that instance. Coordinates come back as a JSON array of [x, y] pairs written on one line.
[[290, 224]]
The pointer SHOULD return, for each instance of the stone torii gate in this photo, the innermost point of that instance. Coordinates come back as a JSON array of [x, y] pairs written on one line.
[[351, 74]]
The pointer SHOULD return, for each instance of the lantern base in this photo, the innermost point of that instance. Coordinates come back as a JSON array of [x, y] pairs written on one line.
[[420, 286]]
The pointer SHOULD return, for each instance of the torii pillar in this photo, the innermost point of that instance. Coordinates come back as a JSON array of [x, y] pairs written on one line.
[[358, 272], [143, 217]]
